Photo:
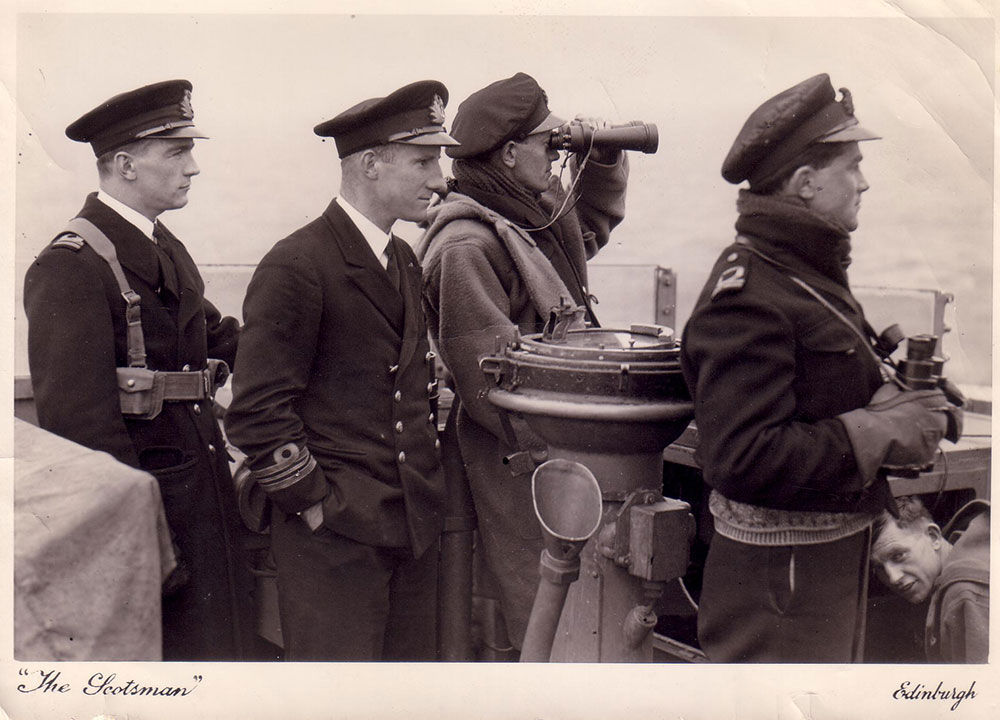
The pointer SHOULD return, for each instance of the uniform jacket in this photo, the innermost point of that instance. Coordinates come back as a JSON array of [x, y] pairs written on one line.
[[958, 619], [76, 339], [770, 367], [335, 359]]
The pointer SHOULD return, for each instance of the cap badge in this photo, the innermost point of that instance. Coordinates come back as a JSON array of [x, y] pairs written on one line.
[[437, 110], [846, 101], [185, 106]]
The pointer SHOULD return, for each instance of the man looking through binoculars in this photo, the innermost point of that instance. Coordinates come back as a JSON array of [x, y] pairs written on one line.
[[504, 248]]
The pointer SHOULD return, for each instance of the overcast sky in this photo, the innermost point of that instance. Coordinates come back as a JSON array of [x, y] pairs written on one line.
[[261, 82]]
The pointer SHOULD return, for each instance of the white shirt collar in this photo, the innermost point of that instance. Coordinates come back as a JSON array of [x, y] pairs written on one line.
[[377, 240], [136, 218]]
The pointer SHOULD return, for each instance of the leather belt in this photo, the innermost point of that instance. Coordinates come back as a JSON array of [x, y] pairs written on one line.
[[193, 385]]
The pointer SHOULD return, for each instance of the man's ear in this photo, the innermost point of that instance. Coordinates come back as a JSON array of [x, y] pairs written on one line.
[[934, 533], [367, 163], [124, 165], [508, 153], [802, 183]]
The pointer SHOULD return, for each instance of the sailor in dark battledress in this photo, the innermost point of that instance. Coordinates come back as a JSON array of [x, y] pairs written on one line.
[[794, 415]]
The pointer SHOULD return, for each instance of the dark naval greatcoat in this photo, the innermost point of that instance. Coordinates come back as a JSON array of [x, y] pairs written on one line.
[[336, 360], [76, 339]]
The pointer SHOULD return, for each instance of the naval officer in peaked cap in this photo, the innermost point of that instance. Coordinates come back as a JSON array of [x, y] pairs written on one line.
[[794, 416], [119, 340], [332, 402]]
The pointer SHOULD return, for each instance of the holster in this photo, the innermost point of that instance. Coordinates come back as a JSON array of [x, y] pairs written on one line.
[[142, 391]]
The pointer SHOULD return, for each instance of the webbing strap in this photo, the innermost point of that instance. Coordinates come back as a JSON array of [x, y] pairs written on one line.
[[100, 243], [861, 336]]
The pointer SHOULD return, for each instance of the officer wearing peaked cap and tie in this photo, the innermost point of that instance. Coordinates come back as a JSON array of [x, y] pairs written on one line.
[[793, 414], [332, 402], [119, 340]]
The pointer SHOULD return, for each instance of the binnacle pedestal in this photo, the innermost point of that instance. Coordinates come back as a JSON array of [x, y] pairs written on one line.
[[610, 400]]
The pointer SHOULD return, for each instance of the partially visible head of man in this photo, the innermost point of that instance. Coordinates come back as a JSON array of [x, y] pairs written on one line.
[[390, 149], [908, 553], [803, 143], [508, 124], [143, 140]]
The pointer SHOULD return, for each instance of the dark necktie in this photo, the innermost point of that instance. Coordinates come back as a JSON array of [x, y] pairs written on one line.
[[168, 274], [392, 267]]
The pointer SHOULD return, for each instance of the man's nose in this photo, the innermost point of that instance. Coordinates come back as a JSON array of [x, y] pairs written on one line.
[[862, 184], [192, 168], [436, 181], [892, 574]]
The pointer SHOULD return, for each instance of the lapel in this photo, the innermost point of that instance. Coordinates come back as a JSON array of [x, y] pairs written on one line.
[[135, 251], [363, 268], [188, 289], [409, 288]]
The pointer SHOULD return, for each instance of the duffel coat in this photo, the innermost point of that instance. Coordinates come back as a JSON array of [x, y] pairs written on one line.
[[477, 297], [76, 339]]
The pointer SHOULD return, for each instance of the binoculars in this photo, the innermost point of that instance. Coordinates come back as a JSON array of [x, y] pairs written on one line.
[[921, 369], [576, 137]]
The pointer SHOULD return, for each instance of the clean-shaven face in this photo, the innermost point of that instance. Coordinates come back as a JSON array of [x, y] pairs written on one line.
[[163, 171], [533, 163], [838, 188], [407, 184], [907, 561]]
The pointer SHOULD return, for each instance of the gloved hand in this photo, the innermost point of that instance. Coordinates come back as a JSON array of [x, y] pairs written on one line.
[[956, 413], [896, 429]]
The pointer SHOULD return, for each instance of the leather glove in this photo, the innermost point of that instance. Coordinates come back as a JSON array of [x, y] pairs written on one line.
[[896, 429], [956, 413]]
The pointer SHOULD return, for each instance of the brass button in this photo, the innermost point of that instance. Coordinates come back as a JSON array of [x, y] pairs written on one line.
[[197, 409], [211, 448], [393, 369], [430, 418], [398, 396], [186, 368], [399, 426], [437, 444], [130, 383], [733, 257], [429, 356], [402, 456], [431, 387]]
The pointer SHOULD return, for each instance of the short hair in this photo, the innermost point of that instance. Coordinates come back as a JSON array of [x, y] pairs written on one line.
[[105, 160], [911, 512], [817, 156], [384, 152]]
